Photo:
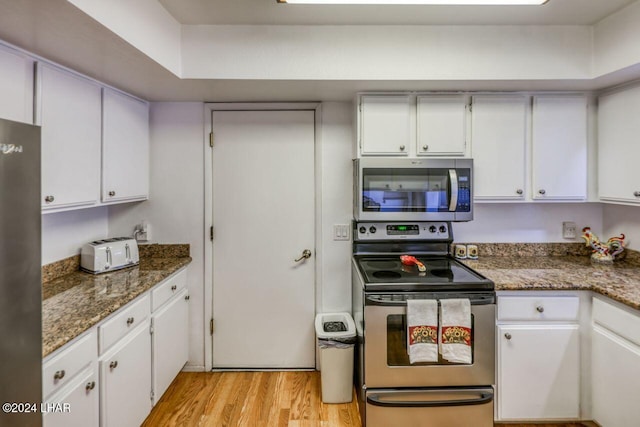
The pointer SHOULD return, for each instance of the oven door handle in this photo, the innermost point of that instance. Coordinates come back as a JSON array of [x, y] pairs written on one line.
[[387, 303], [484, 396], [453, 179], [475, 300]]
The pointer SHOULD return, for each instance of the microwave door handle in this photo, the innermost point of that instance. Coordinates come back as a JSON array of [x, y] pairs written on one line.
[[453, 179], [377, 399]]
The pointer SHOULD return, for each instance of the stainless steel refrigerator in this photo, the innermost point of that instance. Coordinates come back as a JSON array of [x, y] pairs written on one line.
[[20, 274]]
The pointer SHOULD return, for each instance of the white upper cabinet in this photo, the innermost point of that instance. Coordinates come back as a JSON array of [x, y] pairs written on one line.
[[385, 125], [125, 148], [618, 147], [559, 147], [69, 110], [498, 146], [16, 86], [441, 125]]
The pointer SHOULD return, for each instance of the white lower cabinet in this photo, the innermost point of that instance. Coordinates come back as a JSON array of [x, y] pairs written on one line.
[[126, 380], [76, 405], [71, 384], [539, 372], [538, 358], [170, 342], [136, 364], [615, 364]]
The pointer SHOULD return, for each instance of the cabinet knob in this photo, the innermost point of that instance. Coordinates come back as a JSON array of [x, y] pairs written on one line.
[[112, 193], [402, 148], [187, 298], [507, 336], [113, 364], [540, 309], [636, 193], [542, 191], [130, 321], [59, 375], [174, 287], [90, 385], [49, 199], [425, 147], [519, 191]]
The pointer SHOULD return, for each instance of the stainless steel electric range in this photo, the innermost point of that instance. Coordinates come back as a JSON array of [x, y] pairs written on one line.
[[391, 390]]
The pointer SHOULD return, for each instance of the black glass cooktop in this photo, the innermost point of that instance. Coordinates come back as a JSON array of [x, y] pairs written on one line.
[[441, 273]]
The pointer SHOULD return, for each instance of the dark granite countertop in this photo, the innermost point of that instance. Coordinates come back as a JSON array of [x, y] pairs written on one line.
[[619, 281], [77, 301]]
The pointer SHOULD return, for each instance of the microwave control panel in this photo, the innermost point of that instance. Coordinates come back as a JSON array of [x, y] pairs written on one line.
[[464, 192]]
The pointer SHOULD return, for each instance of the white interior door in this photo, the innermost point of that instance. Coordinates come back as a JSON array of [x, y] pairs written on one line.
[[263, 216]]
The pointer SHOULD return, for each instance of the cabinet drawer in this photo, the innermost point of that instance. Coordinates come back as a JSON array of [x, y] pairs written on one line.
[[538, 308], [67, 362], [172, 286], [124, 321], [617, 320]]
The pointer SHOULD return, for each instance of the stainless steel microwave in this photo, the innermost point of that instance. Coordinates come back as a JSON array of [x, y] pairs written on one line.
[[392, 189]]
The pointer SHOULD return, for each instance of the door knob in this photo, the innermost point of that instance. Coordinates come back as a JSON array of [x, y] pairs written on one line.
[[305, 255]]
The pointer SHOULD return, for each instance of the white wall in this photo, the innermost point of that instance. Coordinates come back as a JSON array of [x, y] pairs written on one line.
[[145, 24], [616, 41], [175, 209], [622, 219], [527, 222], [370, 52], [337, 198], [64, 233]]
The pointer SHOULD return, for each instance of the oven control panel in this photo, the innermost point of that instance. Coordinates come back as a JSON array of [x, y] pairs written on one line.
[[420, 230]]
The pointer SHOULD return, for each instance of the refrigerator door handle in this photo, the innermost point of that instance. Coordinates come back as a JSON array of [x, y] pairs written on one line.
[[483, 397]]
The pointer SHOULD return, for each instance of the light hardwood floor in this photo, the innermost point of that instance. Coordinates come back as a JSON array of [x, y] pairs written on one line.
[[281, 399], [257, 399]]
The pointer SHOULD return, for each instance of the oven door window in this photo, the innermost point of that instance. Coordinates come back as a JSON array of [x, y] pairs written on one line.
[[405, 190], [397, 345]]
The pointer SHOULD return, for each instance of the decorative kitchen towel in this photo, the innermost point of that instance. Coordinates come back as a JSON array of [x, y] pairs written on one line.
[[422, 330], [455, 330]]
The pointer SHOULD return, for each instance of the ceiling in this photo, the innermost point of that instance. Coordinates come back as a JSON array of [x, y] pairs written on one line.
[[269, 12], [60, 32]]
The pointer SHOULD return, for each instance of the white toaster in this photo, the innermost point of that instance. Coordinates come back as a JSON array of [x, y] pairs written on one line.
[[102, 256]]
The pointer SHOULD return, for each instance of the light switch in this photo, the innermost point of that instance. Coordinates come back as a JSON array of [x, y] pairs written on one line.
[[341, 232]]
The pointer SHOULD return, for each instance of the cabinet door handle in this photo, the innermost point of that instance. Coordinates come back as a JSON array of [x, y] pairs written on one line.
[[507, 336], [59, 375], [113, 364], [402, 148], [636, 193], [174, 287], [130, 321], [425, 147], [49, 199], [112, 193], [187, 298], [519, 191], [90, 385], [542, 191], [540, 309]]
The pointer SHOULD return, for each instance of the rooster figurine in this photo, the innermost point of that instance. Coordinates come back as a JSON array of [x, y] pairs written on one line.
[[603, 252]]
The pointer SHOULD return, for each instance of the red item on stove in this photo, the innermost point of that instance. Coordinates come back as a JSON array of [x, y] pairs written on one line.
[[411, 260]]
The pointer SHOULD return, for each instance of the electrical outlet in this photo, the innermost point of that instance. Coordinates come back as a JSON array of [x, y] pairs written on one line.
[[341, 232], [569, 230], [142, 231]]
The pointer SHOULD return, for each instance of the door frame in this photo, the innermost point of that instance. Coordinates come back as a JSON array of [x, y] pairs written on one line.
[[209, 108]]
